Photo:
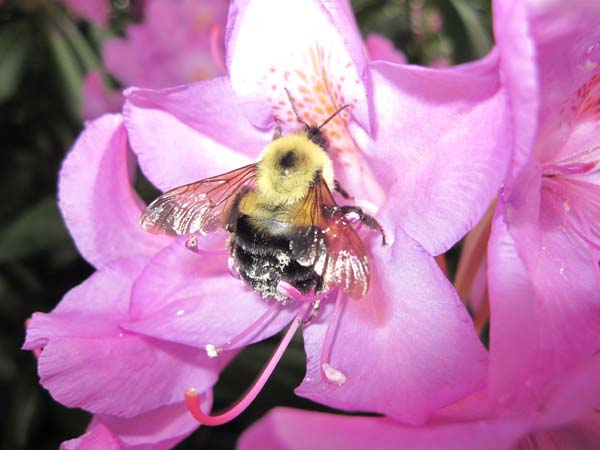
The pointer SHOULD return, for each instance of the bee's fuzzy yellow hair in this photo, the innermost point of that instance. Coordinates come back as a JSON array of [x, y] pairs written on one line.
[[278, 188]]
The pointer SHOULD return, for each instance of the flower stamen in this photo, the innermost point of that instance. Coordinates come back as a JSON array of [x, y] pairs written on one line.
[[192, 245], [192, 397], [213, 350], [328, 372]]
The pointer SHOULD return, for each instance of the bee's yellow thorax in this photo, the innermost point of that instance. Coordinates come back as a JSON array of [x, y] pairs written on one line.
[[298, 214]]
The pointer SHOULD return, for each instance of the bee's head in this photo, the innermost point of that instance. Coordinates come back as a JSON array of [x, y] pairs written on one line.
[[313, 132], [289, 166], [317, 136]]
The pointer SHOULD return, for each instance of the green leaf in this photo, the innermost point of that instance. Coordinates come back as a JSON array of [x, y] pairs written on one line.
[[37, 229], [15, 44], [479, 38], [84, 51], [69, 70]]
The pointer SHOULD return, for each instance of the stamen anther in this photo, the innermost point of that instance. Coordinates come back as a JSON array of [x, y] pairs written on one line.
[[328, 372], [333, 375], [191, 244], [212, 350]]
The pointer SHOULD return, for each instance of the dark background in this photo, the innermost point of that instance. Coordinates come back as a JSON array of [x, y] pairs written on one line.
[[45, 52]]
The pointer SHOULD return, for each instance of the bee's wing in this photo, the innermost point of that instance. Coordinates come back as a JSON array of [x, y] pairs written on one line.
[[201, 206], [332, 245]]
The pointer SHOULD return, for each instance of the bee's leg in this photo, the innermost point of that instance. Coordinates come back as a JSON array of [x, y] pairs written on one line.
[[338, 187], [231, 263], [366, 219]]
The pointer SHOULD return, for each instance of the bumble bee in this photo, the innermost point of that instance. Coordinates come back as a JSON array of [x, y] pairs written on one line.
[[284, 222]]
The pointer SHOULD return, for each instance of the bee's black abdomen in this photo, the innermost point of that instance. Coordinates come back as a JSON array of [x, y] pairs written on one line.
[[252, 240], [264, 259]]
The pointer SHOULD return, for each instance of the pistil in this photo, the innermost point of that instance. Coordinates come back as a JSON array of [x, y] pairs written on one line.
[[192, 397]]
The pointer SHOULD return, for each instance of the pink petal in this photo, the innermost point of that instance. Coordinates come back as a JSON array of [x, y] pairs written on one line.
[[406, 349], [576, 396], [97, 98], [521, 204], [188, 133], [105, 295], [193, 299], [567, 42], [546, 311], [443, 172], [259, 59], [513, 342], [519, 75], [569, 419], [96, 196], [88, 361], [583, 434], [98, 437], [565, 422], [380, 47], [122, 57], [174, 45], [290, 429], [159, 429]]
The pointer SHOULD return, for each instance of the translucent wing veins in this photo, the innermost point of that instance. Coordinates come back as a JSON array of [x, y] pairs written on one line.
[[202, 206]]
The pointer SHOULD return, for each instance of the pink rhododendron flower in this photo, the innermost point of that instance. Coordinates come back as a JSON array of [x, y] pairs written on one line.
[[177, 43], [99, 99], [405, 150], [543, 386], [408, 347], [130, 381], [543, 263], [545, 245], [380, 47], [96, 11]]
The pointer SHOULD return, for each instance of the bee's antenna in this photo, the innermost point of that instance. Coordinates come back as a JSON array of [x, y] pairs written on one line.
[[332, 116], [294, 107]]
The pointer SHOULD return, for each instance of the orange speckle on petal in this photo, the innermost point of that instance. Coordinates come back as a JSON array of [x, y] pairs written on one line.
[[302, 75]]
